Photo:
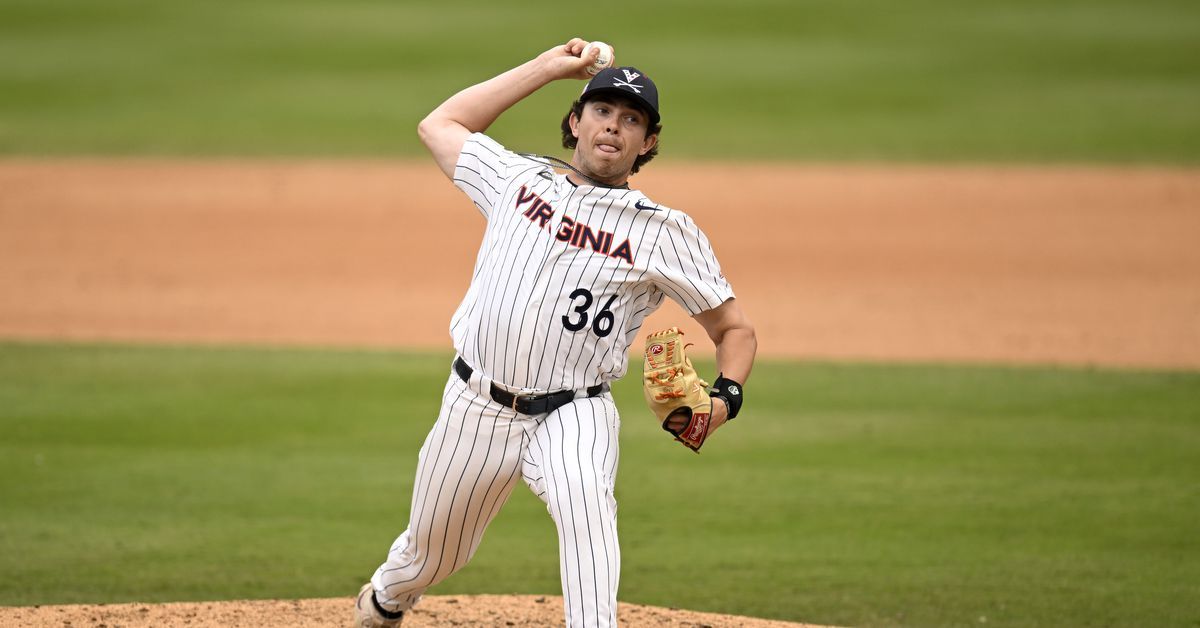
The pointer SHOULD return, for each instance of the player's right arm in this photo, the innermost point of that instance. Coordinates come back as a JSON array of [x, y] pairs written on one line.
[[474, 109]]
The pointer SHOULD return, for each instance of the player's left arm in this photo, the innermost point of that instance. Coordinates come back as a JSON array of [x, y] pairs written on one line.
[[736, 344]]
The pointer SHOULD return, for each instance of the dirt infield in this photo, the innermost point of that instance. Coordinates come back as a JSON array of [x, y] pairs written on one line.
[[434, 611], [1013, 265]]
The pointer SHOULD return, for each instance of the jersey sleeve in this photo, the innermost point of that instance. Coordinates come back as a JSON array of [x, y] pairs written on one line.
[[687, 269], [481, 171]]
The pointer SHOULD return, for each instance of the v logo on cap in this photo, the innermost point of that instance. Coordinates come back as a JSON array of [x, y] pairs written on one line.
[[628, 82]]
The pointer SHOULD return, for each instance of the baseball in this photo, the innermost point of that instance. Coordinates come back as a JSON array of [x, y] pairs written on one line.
[[603, 61]]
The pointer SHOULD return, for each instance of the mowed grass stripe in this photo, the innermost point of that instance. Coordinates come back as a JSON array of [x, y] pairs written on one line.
[[1013, 80], [921, 495]]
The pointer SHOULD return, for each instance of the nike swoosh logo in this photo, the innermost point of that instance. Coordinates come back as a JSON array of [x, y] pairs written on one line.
[[639, 205]]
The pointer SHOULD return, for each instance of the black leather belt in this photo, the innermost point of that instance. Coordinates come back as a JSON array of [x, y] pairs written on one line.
[[526, 404]]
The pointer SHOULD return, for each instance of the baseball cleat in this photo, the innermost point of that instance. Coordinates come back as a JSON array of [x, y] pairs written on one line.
[[368, 614]]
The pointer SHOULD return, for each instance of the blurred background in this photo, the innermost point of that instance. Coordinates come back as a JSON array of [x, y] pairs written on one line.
[[1011, 80]]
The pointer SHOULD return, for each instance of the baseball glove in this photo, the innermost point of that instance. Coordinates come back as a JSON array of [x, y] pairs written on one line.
[[674, 392]]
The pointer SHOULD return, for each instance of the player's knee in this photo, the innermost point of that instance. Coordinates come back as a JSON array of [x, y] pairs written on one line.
[[592, 490]]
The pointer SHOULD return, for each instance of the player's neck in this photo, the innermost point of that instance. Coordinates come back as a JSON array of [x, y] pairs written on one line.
[[579, 177]]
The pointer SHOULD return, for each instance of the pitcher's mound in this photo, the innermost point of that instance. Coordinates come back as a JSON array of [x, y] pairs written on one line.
[[434, 611]]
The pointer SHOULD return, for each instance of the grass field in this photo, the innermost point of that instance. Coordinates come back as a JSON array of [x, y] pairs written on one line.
[[1011, 80], [848, 494]]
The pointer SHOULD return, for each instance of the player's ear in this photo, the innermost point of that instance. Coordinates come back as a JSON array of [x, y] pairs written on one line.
[[649, 143], [573, 120]]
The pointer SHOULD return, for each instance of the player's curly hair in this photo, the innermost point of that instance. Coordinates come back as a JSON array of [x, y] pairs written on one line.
[[569, 140]]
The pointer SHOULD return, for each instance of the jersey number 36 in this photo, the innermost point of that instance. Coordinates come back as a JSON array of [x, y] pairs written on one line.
[[602, 323]]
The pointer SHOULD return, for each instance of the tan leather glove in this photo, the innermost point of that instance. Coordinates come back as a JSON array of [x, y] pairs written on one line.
[[673, 390]]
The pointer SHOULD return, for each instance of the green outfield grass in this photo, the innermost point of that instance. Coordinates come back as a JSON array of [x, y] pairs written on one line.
[[856, 495], [1039, 80]]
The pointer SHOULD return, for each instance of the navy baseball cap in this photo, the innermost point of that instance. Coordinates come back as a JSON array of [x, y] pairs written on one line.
[[629, 82]]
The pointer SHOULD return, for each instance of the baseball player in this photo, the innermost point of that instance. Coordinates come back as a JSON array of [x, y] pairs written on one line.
[[569, 267]]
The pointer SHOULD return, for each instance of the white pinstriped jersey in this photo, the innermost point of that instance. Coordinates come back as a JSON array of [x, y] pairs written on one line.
[[567, 273]]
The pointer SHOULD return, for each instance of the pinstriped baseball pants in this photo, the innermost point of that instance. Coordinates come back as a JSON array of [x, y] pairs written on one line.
[[467, 468]]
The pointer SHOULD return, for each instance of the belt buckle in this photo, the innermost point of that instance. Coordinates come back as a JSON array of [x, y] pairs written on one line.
[[527, 394]]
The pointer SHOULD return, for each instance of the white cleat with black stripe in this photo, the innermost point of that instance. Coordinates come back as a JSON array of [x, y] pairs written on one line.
[[368, 614]]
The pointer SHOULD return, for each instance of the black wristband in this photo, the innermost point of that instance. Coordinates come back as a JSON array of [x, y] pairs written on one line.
[[731, 392]]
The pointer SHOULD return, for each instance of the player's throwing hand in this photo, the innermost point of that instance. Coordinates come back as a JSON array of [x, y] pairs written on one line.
[[567, 61]]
